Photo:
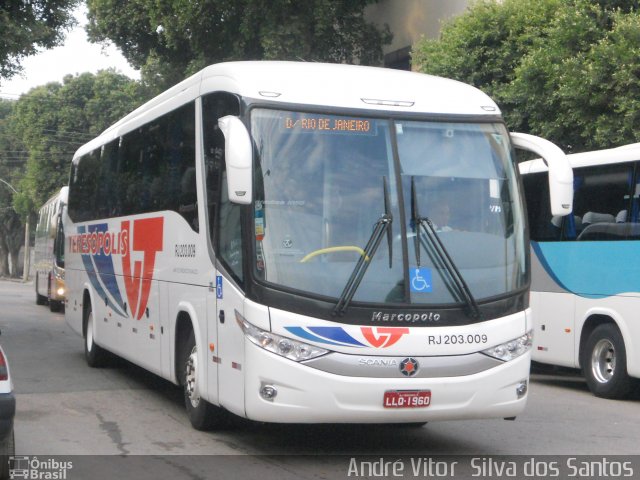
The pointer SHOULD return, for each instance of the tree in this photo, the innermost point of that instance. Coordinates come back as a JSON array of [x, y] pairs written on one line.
[[53, 120], [29, 25], [11, 226], [567, 70], [39, 134], [171, 39]]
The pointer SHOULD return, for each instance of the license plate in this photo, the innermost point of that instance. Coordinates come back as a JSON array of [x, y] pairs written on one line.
[[406, 399]]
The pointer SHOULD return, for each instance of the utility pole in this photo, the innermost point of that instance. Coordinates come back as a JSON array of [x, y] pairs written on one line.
[[27, 254]]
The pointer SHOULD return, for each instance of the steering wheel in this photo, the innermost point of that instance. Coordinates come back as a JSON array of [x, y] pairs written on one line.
[[342, 248]]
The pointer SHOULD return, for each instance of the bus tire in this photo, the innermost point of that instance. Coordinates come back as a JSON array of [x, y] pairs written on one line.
[[40, 299], [415, 424], [95, 355], [7, 450], [604, 363], [55, 306], [202, 415]]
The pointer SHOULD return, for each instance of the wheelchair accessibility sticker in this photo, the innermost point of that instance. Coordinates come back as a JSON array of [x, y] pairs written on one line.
[[420, 280]]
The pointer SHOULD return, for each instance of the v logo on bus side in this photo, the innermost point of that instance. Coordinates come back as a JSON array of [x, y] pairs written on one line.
[[383, 337], [98, 245], [147, 238]]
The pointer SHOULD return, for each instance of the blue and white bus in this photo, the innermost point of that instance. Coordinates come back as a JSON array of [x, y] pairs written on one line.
[[261, 234], [586, 281]]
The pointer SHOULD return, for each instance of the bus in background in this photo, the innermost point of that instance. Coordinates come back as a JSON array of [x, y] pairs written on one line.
[[261, 235], [585, 270], [49, 252]]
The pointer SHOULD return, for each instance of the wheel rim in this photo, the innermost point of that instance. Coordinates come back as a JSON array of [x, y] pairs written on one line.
[[603, 361], [90, 332], [191, 385]]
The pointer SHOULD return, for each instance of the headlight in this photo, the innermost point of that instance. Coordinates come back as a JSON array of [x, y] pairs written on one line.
[[283, 346], [512, 349]]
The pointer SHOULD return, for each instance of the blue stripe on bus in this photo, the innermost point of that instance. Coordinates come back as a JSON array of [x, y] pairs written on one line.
[[328, 335], [93, 275], [104, 266], [592, 269]]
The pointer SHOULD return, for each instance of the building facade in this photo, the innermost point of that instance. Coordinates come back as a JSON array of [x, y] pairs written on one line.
[[409, 21]]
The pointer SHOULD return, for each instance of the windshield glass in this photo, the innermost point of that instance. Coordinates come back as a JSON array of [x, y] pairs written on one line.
[[319, 193]]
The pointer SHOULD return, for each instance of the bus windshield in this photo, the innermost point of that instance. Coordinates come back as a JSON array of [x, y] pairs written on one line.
[[320, 189]]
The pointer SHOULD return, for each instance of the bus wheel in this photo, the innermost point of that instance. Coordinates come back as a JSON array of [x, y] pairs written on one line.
[[604, 363], [7, 450], [95, 355], [55, 306], [202, 414], [40, 299]]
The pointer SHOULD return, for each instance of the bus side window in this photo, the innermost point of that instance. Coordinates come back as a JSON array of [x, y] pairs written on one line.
[[542, 226], [156, 169], [224, 217], [602, 199], [179, 165], [84, 183]]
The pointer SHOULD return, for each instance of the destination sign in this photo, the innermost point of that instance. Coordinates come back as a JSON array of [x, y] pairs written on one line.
[[323, 124]]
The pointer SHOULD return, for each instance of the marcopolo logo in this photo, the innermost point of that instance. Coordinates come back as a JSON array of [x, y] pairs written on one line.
[[137, 244], [407, 317]]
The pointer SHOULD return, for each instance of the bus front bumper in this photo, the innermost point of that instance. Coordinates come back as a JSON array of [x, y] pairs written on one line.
[[307, 395]]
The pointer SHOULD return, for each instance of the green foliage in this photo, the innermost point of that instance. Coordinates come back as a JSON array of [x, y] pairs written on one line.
[[11, 226], [567, 70], [29, 25], [483, 46], [8, 147], [170, 39], [53, 120]]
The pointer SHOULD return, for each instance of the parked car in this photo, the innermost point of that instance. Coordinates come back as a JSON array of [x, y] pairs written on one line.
[[7, 412]]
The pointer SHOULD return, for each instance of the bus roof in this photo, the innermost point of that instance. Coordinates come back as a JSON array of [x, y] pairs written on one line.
[[61, 195], [625, 153], [315, 84]]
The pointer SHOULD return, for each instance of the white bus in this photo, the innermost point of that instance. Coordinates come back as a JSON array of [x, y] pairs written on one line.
[[49, 252], [585, 277], [260, 234]]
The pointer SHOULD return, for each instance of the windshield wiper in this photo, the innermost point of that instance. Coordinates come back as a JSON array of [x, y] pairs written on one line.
[[426, 225], [381, 226]]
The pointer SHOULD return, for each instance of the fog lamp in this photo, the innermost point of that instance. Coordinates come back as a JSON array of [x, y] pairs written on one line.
[[268, 392], [521, 388]]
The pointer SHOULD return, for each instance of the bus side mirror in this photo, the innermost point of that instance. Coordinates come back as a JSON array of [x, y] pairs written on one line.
[[238, 153], [560, 171]]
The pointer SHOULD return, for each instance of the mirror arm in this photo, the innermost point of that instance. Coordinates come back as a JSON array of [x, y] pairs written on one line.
[[560, 171]]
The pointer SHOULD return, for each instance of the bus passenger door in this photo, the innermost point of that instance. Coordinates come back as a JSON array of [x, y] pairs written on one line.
[[212, 353], [553, 306], [227, 355], [229, 352]]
